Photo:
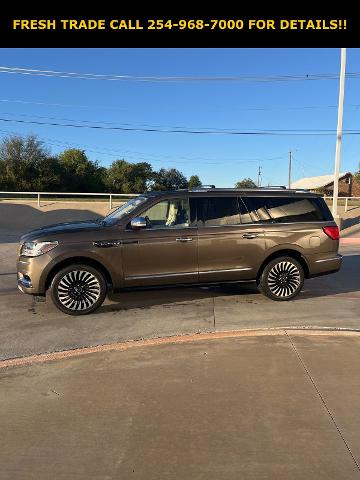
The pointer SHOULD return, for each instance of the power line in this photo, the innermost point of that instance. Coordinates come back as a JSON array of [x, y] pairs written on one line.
[[308, 166], [280, 132], [156, 78], [108, 107], [61, 119], [163, 127]]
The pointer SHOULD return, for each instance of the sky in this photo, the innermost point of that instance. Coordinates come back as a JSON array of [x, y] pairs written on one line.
[[199, 105]]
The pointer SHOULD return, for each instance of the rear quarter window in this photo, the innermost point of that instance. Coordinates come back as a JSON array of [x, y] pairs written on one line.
[[288, 209]]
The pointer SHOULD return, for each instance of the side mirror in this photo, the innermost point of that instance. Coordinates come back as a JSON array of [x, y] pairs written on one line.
[[138, 222]]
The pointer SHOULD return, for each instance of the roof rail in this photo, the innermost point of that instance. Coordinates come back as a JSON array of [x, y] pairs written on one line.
[[202, 187], [275, 186]]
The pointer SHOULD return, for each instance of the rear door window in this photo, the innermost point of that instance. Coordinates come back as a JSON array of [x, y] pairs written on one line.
[[246, 216], [257, 208], [218, 211]]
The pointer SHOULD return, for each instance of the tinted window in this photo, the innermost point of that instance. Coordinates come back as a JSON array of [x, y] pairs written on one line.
[[257, 209], [214, 211], [245, 215], [320, 204], [174, 213], [288, 209]]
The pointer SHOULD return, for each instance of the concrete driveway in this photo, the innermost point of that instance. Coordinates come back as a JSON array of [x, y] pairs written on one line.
[[280, 406]]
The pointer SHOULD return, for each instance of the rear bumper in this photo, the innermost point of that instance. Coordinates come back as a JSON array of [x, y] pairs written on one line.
[[326, 265]]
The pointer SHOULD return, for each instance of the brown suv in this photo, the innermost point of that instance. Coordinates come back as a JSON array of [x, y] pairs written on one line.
[[274, 237]]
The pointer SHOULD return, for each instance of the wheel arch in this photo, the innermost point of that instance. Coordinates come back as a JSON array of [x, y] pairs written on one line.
[[285, 253], [78, 260]]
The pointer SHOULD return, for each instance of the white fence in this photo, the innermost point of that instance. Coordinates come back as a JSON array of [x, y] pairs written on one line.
[[38, 195], [348, 201], [70, 194]]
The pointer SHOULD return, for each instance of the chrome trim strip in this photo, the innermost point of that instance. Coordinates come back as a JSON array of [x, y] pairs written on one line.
[[292, 223], [139, 277], [263, 224], [163, 228], [328, 259], [159, 275], [242, 225], [227, 270]]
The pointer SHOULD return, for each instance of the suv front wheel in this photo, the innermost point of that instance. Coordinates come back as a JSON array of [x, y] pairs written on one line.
[[78, 289], [282, 279]]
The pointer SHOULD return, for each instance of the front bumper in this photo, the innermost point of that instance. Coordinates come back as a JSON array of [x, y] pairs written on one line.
[[32, 273], [24, 282]]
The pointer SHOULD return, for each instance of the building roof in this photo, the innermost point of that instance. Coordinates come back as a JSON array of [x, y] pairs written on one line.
[[316, 182]]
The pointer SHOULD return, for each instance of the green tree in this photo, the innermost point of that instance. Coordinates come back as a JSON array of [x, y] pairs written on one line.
[[48, 175], [78, 173], [169, 179], [194, 181], [125, 177], [26, 164], [3, 180], [245, 183]]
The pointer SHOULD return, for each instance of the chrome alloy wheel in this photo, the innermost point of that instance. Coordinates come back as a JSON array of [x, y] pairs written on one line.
[[284, 279], [78, 290]]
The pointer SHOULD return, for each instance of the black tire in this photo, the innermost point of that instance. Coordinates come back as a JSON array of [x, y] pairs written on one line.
[[78, 289], [282, 279]]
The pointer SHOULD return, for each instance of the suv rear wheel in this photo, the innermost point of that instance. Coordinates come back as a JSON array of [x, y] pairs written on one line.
[[282, 279], [78, 289]]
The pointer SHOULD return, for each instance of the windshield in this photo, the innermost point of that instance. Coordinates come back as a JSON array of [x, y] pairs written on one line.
[[125, 209]]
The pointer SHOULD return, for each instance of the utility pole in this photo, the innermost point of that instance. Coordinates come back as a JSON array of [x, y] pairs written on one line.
[[290, 160], [259, 177], [339, 133]]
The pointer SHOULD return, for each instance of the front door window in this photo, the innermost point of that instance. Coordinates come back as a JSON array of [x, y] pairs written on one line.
[[172, 213]]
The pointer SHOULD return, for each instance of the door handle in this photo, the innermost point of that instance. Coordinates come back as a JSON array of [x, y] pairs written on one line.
[[184, 239], [250, 235]]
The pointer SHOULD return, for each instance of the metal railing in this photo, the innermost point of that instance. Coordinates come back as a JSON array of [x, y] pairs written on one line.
[[347, 200], [127, 195], [72, 194]]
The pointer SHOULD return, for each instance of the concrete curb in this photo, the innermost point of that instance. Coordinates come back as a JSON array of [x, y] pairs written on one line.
[[179, 339]]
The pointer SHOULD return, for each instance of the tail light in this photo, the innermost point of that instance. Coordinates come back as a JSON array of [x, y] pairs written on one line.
[[332, 232]]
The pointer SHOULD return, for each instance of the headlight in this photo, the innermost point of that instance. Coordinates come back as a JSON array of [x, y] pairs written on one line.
[[34, 249]]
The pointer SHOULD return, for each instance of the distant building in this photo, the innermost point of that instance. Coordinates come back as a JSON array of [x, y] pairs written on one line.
[[348, 185]]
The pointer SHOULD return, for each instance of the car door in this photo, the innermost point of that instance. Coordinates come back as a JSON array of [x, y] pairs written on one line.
[[165, 252], [231, 246]]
